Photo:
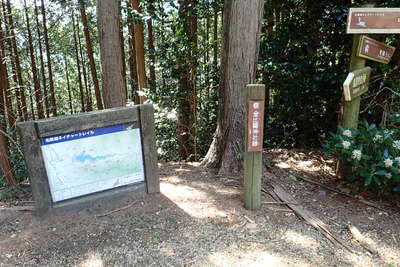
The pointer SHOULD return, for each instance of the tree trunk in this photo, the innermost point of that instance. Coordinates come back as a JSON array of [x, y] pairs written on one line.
[[108, 21], [89, 49], [122, 39], [20, 88], [36, 84], [152, 55], [132, 64], [242, 25], [78, 62], [49, 68], [215, 39], [5, 164], [187, 81], [43, 73], [5, 84], [68, 85], [139, 45]]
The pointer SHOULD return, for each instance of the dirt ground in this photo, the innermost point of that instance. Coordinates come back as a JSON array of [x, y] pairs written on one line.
[[198, 219]]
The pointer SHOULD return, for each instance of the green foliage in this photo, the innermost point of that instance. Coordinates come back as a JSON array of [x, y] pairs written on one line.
[[373, 152]]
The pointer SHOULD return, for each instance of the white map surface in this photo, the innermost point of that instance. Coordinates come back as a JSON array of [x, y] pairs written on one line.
[[83, 166]]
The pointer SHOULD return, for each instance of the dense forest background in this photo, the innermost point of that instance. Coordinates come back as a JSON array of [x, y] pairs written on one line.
[[171, 57]]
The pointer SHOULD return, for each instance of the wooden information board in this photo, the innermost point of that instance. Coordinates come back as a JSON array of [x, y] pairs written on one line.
[[373, 20], [356, 83], [374, 50]]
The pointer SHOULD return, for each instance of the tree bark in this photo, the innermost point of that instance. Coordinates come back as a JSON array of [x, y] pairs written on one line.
[[139, 46], [152, 55], [43, 73], [5, 85], [5, 164], [36, 84], [78, 62], [242, 25], [49, 67], [89, 49], [132, 64], [68, 85], [20, 88], [108, 20], [215, 39], [187, 64], [122, 39]]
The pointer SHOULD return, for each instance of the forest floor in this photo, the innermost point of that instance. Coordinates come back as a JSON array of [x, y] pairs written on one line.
[[198, 219]]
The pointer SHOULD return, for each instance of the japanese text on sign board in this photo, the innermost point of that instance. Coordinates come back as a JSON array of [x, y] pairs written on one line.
[[255, 125]]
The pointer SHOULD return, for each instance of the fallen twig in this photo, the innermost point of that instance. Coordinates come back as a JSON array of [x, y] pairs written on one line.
[[19, 208], [340, 192], [278, 203], [116, 210], [248, 219], [361, 239]]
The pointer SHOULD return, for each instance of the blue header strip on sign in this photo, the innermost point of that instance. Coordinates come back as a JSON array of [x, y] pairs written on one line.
[[81, 134]]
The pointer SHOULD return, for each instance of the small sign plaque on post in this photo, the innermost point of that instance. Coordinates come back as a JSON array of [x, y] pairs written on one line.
[[374, 50], [373, 20], [255, 125], [356, 83]]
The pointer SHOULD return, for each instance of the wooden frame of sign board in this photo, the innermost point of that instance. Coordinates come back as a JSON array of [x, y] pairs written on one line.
[[35, 134], [360, 54], [348, 93], [379, 28]]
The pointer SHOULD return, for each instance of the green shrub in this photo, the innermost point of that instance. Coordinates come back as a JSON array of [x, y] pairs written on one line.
[[372, 152]]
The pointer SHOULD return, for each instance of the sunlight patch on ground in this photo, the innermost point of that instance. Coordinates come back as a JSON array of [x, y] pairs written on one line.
[[301, 240], [283, 165], [93, 259]]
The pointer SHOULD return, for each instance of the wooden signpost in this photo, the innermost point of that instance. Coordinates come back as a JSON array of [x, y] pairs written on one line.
[[356, 83], [253, 146], [374, 50], [373, 20]]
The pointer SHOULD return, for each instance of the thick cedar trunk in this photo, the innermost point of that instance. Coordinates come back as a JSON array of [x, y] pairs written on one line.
[[5, 84], [242, 25], [108, 21], [36, 84], [71, 109], [122, 39], [187, 81], [20, 87], [132, 64], [152, 55], [89, 49], [42, 72], [49, 68], [78, 63], [139, 46]]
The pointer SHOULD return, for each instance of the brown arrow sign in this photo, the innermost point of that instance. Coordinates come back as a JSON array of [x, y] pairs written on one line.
[[374, 50], [373, 20]]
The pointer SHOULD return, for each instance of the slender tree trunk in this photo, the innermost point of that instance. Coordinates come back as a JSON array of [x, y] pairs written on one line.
[[242, 25], [89, 49], [78, 63], [121, 36], [5, 164], [108, 21], [87, 87], [215, 39], [20, 88], [152, 55], [5, 83], [187, 81], [11, 57], [43, 73], [139, 46], [49, 67], [71, 109], [38, 93], [132, 64]]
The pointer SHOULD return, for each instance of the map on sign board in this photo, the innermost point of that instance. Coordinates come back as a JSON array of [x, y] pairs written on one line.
[[94, 160]]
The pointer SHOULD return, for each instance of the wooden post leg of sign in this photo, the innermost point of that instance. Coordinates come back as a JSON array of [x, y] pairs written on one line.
[[253, 146], [351, 109]]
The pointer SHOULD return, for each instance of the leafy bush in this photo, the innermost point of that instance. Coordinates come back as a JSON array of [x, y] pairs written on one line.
[[372, 152]]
